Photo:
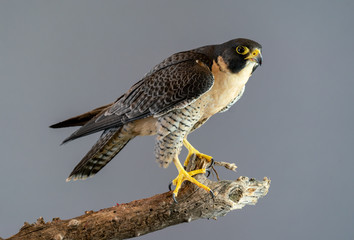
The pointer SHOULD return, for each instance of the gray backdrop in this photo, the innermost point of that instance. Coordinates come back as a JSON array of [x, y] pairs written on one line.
[[294, 124]]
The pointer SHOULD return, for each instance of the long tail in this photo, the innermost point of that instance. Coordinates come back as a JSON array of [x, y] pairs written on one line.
[[109, 145], [81, 119]]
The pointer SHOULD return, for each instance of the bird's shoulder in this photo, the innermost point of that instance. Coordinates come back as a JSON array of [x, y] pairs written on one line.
[[180, 57]]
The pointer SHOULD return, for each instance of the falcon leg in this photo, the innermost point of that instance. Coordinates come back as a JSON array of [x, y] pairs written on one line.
[[183, 175], [192, 150]]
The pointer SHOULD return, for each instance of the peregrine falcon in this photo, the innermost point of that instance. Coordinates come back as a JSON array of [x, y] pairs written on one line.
[[176, 97]]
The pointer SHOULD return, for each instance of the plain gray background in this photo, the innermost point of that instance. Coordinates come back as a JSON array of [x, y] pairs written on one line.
[[294, 123]]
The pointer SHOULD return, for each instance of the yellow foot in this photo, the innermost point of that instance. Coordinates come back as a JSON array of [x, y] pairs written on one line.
[[183, 175], [192, 150]]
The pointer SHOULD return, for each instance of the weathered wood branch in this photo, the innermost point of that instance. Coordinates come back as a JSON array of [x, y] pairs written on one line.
[[151, 214]]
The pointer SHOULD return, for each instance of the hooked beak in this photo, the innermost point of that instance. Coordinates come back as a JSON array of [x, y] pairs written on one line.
[[255, 56]]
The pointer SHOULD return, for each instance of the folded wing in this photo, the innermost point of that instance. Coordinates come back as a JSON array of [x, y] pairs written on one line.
[[176, 82]]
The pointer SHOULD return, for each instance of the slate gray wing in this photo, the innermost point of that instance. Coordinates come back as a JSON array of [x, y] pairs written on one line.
[[176, 82]]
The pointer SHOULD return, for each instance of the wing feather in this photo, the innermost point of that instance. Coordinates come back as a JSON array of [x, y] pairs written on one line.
[[176, 82]]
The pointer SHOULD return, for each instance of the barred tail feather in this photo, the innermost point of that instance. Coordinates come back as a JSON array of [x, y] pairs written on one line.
[[106, 148]]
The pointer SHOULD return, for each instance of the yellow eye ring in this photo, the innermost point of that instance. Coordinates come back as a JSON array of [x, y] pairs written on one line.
[[242, 50]]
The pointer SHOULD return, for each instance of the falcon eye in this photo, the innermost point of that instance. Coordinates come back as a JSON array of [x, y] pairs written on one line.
[[242, 50]]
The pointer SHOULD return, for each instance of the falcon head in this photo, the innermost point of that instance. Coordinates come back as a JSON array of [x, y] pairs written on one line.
[[238, 53]]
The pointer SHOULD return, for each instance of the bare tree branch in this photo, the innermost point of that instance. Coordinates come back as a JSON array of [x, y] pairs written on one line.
[[151, 214]]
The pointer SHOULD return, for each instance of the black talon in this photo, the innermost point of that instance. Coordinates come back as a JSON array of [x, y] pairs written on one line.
[[212, 194], [208, 172], [211, 163], [170, 186], [174, 197]]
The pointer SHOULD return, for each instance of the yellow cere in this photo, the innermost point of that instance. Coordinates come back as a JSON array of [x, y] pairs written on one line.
[[254, 53]]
